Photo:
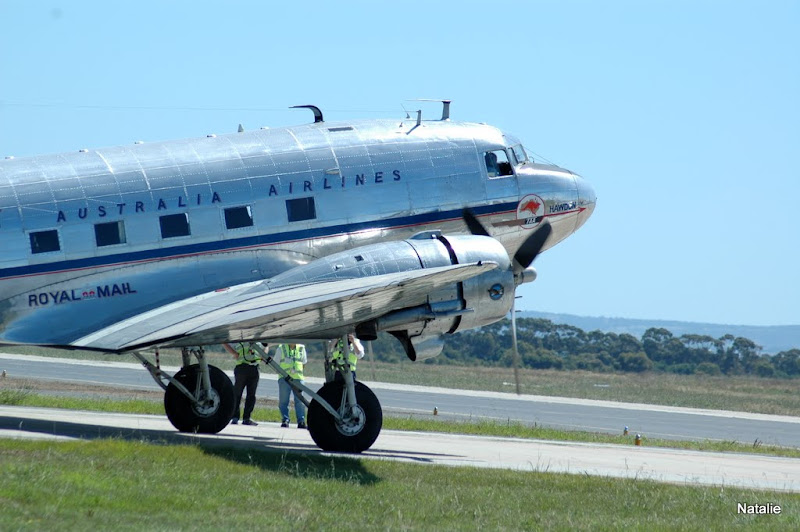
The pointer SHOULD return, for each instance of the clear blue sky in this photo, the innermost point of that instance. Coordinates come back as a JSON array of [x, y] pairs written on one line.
[[684, 115]]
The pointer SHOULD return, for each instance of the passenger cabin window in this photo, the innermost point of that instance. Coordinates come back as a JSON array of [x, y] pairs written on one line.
[[173, 225], [45, 241], [300, 209], [109, 234], [497, 164], [237, 217]]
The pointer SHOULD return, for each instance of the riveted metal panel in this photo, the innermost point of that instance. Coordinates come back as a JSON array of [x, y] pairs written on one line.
[[277, 140], [96, 185], [206, 222], [221, 161], [26, 170], [235, 190], [132, 182], [121, 159], [35, 194], [344, 137], [199, 195], [8, 197], [311, 136], [354, 160], [78, 240], [14, 251], [144, 230], [39, 217], [386, 152], [290, 163]]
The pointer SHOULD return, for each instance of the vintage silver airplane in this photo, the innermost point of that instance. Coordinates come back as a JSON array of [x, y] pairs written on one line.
[[297, 233]]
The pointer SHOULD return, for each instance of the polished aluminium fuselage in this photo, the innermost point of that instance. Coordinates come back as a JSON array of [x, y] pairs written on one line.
[[369, 181]]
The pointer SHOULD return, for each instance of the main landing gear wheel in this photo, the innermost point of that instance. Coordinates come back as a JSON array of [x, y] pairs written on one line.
[[211, 414], [356, 433]]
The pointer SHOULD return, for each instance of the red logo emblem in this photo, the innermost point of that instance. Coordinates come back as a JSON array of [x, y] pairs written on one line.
[[530, 205], [530, 211]]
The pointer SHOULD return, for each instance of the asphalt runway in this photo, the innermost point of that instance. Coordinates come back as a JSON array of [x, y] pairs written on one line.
[[658, 464], [577, 414]]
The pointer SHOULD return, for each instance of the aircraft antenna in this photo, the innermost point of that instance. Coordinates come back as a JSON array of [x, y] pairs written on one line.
[[445, 106], [314, 109], [241, 128]]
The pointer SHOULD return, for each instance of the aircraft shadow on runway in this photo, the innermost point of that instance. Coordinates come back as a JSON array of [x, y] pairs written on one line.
[[297, 459], [266, 453]]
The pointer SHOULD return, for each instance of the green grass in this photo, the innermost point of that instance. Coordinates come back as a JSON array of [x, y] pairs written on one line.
[[124, 485], [266, 411], [745, 394], [15, 393]]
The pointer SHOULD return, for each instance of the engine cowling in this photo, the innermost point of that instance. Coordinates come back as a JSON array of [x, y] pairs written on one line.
[[475, 302]]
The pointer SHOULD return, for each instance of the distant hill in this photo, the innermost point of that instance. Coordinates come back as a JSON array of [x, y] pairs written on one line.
[[773, 339]]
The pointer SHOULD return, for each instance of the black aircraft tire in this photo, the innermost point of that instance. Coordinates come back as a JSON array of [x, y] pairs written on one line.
[[184, 416], [324, 430]]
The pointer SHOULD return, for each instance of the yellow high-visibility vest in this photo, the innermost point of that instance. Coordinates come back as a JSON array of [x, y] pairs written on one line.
[[292, 360], [247, 355], [352, 358]]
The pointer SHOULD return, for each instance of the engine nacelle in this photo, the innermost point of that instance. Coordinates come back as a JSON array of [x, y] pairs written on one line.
[[475, 302]]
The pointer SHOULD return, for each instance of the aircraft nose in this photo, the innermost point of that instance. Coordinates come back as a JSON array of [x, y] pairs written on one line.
[[586, 200]]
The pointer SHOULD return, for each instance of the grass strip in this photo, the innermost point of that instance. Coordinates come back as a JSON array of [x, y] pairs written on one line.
[[128, 485]]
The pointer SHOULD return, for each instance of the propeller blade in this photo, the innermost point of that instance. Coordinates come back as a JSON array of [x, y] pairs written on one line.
[[532, 246], [514, 344], [473, 224]]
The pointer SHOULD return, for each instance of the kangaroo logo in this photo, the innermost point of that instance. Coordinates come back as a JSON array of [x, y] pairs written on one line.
[[530, 205], [530, 211]]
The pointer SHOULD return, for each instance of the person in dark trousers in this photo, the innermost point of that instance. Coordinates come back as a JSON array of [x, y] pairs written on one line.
[[246, 376]]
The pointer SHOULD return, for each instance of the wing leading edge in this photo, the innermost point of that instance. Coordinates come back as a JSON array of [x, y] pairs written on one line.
[[314, 310]]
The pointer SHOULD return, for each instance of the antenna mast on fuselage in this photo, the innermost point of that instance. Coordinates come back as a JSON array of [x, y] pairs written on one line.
[[445, 106], [314, 109]]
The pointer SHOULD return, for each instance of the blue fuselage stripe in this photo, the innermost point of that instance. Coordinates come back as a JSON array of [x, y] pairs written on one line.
[[254, 241]]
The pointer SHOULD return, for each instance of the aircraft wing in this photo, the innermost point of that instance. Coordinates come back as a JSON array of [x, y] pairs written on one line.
[[311, 310]]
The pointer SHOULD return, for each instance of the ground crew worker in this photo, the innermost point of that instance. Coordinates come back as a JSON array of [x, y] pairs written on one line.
[[355, 351], [292, 358], [246, 376]]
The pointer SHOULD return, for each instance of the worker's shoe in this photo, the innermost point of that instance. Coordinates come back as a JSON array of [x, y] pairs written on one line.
[[301, 425], [249, 422], [235, 421], [284, 424]]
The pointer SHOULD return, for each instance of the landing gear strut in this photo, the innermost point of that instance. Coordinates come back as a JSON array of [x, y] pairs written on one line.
[[199, 398], [344, 415]]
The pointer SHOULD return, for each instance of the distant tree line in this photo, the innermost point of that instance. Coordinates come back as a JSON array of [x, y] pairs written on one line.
[[547, 345]]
